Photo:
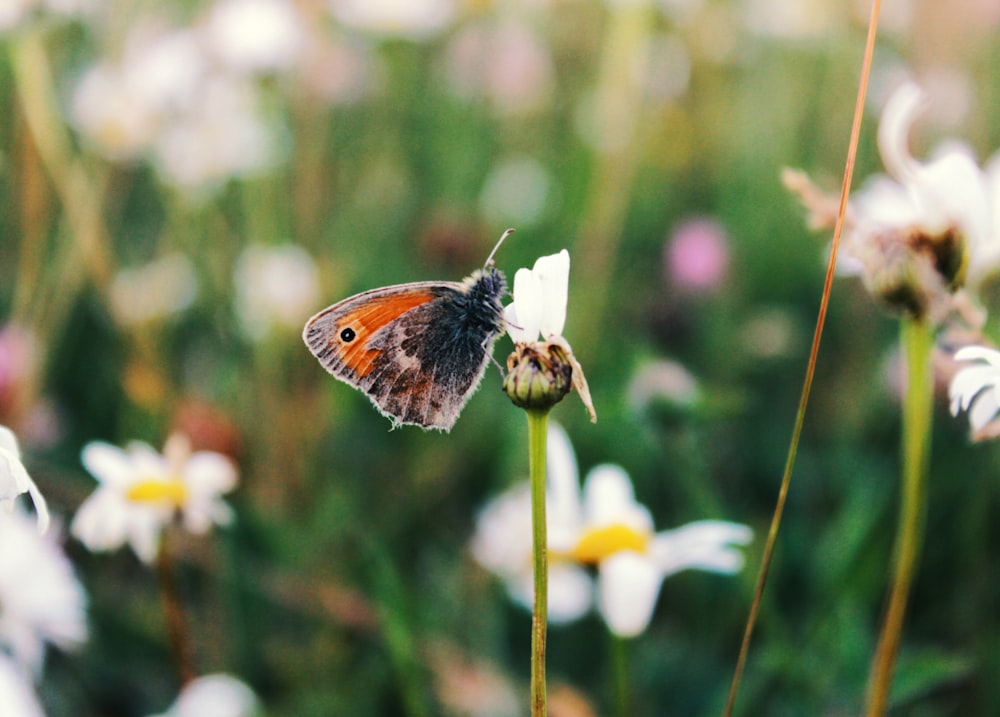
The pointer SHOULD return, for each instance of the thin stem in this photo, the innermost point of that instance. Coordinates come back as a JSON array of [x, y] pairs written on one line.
[[619, 675], [173, 611], [918, 415], [538, 422], [786, 478]]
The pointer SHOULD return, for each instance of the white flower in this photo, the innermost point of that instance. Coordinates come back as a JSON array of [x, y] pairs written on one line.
[[275, 285], [140, 491], [164, 286], [976, 388], [120, 108], [413, 19], [947, 194], [256, 35], [41, 600], [14, 479], [604, 527], [217, 695], [223, 136], [540, 296], [17, 694]]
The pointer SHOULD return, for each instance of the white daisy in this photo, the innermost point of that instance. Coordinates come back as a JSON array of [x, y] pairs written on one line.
[[17, 694], [141, 491], [604, 527], [217, 695], [41, 600], [976, 388], [540, 297], [14, 479], [276, 287], [948, 194]]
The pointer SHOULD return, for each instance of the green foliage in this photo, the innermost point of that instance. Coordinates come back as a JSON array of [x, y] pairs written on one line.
[[346, 586]]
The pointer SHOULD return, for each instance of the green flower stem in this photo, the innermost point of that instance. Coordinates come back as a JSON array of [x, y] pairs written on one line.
[[619, 675], [918, 341], [173, 612], [538, 422]]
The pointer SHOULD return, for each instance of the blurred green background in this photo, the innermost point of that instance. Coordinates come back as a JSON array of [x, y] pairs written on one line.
[[643, 137]]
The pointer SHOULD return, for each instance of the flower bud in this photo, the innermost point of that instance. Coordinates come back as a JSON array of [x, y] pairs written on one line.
[[538, 375]]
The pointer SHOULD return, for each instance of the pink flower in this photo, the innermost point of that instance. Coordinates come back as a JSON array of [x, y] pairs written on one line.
[[696, 257]]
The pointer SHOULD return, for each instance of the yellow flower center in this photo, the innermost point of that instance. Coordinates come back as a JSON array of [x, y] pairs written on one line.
[[158, 490], [601, 543]]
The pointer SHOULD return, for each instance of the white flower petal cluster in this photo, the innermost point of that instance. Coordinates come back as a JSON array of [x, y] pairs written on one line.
[[411, 19], [976, 388], [602, 526], [256, 36], [276, 286], [14, 479], [41, 600], [17, 693], [140, 491], [163, 287], [188, 99], [217, 695], [948, 193], [15, 13], [540, 297]]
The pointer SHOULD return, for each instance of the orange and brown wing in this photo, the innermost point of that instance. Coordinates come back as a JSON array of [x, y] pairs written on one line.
[[341, 335]]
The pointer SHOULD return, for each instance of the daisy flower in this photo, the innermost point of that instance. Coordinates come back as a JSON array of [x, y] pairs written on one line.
[[602, 527], [976, 388], [17, 694], [140, 491], [540, 297], [14, 479], [41, 600], [924, 229], [540, 373], [218, 695]]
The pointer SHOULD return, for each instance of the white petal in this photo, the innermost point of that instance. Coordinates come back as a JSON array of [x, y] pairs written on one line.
[[968, 382], [41, 507], [528, 298], [951, 190], [208, 473], [16, 692], [514, 326], [629, 584], [984, 409], [8, 442], [702, 545], [563, 508], [108, 464], [900, 111], [217, 695], [100, 522], [14, 479], [970, 353], [144, 535], [571, 592], [553, 274], [200, 516], [502, 542], [608, 499]]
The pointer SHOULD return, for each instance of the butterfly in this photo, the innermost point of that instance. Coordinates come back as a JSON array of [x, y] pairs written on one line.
[[417, 350]]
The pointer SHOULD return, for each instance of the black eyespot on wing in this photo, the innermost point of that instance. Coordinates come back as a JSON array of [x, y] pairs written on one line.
[[347, 335]]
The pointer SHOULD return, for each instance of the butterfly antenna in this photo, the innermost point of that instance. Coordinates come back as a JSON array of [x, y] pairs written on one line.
[[489, 259]]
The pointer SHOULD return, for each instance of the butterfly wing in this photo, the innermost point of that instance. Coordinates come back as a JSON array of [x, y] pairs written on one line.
[[409, 347]]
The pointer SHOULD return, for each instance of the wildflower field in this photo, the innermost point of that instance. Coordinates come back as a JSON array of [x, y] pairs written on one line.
[[203, 522]]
